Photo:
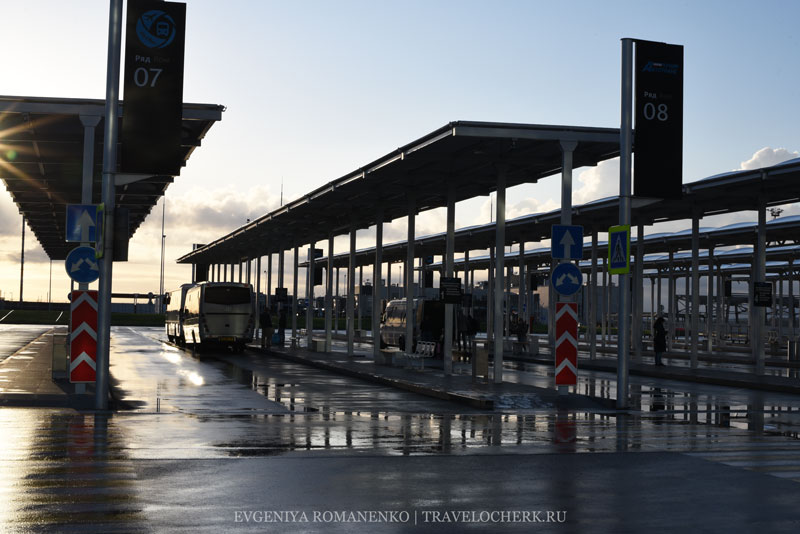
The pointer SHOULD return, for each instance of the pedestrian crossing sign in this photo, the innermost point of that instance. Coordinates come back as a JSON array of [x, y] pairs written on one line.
[[619, 247]]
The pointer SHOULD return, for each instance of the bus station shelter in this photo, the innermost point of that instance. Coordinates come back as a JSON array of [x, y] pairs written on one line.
[[466, 159], [52, 156], [458, 161]]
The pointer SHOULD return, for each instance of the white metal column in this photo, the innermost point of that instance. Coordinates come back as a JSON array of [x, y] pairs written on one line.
[[449, 259], [759, 313], [258, 302], [377, 285], [357, 296], [626, 142], [409, 274], [329, 297], [500, 238], [638, 286], [521, 300], [294, 291], [792, 324], [490, 302], [695, 341], [567, 149], [592, 326], [351, 287], [310, 296], [269, 281], [710, 299], [673, 309]]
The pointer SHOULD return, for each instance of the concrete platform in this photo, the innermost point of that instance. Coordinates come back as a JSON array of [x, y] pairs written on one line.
[[29, 379], [431, 381]]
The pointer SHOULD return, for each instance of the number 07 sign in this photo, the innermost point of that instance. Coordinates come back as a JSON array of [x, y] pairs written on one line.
[[153, 105]]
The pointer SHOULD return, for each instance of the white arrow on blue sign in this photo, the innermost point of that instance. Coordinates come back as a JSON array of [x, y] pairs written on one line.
[[567, 279], [81, 223], [566, 242], [82, 266]]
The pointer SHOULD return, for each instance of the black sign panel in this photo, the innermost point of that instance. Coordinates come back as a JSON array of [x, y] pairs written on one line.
[[658, 139], [762, 294], [281, 294], [153, 98], [450, 290], [317, 266]]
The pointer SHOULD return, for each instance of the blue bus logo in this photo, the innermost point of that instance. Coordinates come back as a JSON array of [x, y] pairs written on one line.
[[156, 29]]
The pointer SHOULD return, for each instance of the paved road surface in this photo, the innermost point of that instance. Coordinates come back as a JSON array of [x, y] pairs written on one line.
[[212, 444]]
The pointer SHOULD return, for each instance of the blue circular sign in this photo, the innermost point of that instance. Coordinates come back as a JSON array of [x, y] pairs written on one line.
[[567, 279], [82, 266], [155, 29]]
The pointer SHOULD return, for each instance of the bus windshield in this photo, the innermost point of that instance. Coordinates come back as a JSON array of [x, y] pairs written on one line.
[[227, 295]]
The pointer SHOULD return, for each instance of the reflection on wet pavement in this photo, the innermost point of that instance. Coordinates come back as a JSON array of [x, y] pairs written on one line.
[[63, 471], [72, 472]]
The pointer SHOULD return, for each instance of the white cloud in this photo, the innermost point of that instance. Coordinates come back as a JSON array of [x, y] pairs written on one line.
[[767, 157], [597, 182]]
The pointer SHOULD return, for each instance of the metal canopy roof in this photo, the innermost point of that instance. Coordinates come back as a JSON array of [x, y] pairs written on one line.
[[783, 185], [778, 231], [42, 159], [466, 155]]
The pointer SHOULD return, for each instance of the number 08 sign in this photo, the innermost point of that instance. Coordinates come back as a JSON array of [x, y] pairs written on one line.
[[153, 106], [658, 142]]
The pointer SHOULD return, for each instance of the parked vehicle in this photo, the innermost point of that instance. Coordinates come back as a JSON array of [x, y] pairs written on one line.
[[213, 313], [428, 322], [175, 301]]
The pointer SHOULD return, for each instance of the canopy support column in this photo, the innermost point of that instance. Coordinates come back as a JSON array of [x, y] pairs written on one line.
[[759, 312], [310, 296], [258, 292], [409, 273], [294, 292], [329, 297], [377, 285], [500, 239], [449, 260], [591, 328], [351, 287], [695, 341], [710, 300], [638, 288]]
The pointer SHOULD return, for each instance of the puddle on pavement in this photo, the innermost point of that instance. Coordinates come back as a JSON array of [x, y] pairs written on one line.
[[669, 419]]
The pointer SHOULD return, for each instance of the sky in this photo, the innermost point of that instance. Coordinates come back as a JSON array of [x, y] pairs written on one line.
[[315, 89]]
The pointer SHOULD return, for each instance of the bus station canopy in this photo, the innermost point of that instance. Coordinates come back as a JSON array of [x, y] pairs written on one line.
[[469, 154], [779, 183], [462, 156], [41, 161], [779, 231]]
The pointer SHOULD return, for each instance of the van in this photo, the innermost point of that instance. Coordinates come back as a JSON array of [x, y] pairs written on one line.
[[428, 323]]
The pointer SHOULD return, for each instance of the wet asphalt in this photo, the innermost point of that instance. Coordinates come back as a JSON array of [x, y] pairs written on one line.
[[208, 439]]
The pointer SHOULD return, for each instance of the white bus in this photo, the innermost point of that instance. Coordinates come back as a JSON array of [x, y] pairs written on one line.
[[214, 313], [175, 301]]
